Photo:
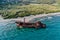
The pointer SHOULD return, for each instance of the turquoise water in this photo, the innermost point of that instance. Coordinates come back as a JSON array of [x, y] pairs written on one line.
[[9, 31]]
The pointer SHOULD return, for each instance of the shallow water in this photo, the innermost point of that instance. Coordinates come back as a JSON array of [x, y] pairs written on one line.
[[9, 31]]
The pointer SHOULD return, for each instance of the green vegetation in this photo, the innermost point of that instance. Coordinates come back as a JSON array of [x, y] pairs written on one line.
[[26, 10], [21, 8]]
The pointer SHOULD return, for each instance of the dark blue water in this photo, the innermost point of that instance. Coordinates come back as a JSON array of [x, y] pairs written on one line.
[[9, 31]]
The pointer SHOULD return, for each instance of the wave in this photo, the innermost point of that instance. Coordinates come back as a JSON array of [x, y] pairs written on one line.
[[49, 17]]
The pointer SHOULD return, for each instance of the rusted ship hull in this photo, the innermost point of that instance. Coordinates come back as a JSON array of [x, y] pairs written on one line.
[[30, 25]]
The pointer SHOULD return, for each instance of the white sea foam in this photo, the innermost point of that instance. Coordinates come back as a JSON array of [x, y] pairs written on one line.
[[28, 18], [57, 15], [49, 17], [41, 19]]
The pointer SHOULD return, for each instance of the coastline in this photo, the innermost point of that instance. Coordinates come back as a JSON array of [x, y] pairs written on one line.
[[28, 18]]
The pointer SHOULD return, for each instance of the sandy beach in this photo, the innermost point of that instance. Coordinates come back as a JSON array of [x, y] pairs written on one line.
[[28, 18]]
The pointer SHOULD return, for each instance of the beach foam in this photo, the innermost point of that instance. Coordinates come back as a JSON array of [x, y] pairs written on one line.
[[28, 18]]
